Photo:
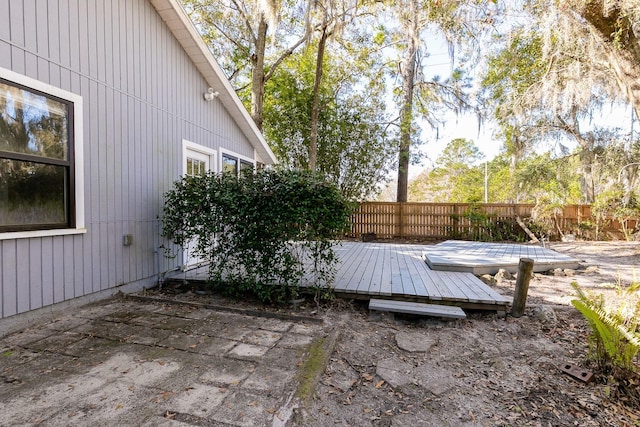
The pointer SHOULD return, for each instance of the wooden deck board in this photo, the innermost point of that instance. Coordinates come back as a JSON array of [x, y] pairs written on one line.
[[396, 276], [398, 271], [418, 268], [367, 269], [385, 281]]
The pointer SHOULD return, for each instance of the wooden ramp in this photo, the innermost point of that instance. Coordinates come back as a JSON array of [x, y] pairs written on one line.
[[399, 272], [419, 308]]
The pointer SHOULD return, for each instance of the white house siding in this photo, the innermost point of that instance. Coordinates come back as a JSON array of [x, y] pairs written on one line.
[[142, 96]]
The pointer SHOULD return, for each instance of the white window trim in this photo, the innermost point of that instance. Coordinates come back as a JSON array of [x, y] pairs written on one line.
[[78, 154], [192, 146], [224, 151]]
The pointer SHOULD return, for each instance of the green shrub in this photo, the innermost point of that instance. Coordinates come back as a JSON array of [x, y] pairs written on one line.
[[615, 331], [262, 233]]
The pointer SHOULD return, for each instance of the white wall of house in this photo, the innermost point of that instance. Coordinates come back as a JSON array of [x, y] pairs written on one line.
[[140, 95]]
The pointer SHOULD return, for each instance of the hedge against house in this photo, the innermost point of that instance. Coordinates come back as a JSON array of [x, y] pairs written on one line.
[[262, 233]]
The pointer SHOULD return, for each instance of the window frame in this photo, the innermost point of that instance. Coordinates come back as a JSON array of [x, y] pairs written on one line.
[[240, 158], [75, 202], [189, 146]]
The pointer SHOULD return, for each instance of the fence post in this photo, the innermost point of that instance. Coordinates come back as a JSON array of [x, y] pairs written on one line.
[[525, 269], [401, 219]]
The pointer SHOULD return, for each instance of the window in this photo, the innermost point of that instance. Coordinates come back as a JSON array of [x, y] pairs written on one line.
[[229, 164], [37, 156], [233, 164]]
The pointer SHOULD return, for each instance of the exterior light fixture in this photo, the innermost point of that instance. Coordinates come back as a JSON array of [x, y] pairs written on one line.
[[211, 94]]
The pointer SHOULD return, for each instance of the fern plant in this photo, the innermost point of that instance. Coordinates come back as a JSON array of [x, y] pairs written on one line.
[[615, 331]]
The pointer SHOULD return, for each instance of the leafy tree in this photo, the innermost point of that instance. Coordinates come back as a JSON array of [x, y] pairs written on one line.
[[614, 26], [238, 32], [329, 18], [353, 149], [459, 22], [534, 99], [455, 179]]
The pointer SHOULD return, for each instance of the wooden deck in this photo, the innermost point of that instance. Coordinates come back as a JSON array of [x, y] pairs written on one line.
[[399, 272], [396, 272], [488, 258]]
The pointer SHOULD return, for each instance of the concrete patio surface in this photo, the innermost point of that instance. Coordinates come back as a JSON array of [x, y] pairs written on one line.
[[129, 362]]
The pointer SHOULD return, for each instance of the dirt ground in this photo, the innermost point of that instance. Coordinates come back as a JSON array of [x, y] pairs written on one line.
[[483, 371], [487, 370]]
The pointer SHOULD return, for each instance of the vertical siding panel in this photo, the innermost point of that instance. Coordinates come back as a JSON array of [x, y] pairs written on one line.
[[123, 49], [22, 275], [134, 67], [103, 260], [92, 37], [127, 161], [47, 271], [142, 52], [91, 157], [54, 75], [112, 249], [5, 54], [113, 158], [148, 139], [87, 260], [63, 32], [69, 270], [96, 259], [129, 66], [80, 260], [16, 18], [41, 29], [74, 46], [83, 37], [58, 270], [136, 166], [108, 41], [29, 22], [5, 59], [101, 41], [9, 278], [5, 31], [43, 70], [152, 25], [35, 277], [99, 147], [108, 141], [65, 79], [30, 65]]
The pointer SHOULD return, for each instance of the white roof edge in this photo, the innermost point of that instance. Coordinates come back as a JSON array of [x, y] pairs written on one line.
[[178, 22]]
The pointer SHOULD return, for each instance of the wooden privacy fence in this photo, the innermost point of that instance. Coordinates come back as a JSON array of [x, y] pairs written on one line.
[[452, 220]]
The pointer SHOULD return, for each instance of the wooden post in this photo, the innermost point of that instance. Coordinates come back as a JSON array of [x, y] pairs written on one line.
[[525, 269], [401, 219]]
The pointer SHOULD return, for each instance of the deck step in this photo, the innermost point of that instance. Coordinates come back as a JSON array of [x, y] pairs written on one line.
[[417, 308]]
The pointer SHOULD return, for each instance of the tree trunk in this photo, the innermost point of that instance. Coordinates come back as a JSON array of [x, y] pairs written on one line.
[[406, 115], [622, 45], [315, 106], [257, 77]]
